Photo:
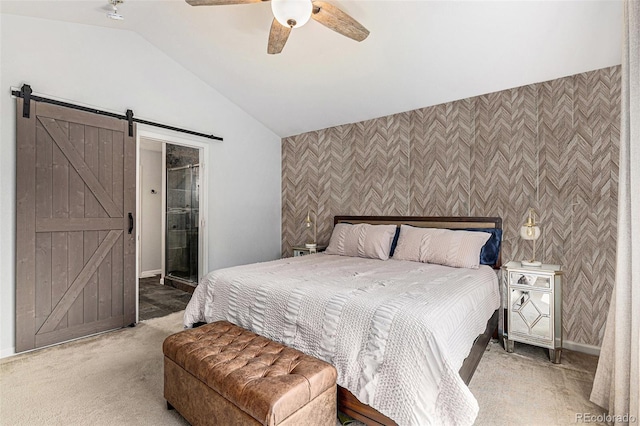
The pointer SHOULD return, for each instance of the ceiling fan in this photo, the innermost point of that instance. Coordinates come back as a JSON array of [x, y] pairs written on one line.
[[289, 14]]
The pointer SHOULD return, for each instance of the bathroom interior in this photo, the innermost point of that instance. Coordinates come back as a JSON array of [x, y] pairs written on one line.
[[168, 272]]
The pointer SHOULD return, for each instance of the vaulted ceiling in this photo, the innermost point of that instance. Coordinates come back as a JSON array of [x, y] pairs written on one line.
[[419, 52]]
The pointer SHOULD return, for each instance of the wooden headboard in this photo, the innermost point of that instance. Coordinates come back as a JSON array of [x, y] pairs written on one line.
[[448, 222]]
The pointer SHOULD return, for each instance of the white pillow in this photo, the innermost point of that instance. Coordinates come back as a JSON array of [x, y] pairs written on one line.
[[459, 249], [362, 240]]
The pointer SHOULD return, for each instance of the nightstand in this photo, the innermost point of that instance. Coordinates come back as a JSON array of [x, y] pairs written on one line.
[[302, 250], [532, 298]]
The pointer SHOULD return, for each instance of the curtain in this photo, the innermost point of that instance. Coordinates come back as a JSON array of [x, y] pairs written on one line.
[[617, 380]]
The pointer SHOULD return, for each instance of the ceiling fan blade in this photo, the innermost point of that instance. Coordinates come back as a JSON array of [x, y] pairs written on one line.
[[220, 2], [277, 37], [337, 20]]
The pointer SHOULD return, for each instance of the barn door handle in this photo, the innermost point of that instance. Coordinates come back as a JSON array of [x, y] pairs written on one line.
[[130, 222]]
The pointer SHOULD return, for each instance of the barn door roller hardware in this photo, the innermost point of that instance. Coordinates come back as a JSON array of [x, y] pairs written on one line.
[[26, 93], [129, 116]]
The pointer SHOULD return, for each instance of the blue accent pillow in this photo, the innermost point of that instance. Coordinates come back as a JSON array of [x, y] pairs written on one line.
[[394, 243], [491, 249]]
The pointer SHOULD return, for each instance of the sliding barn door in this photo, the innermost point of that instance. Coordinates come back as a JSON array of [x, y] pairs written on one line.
[[75, 242]]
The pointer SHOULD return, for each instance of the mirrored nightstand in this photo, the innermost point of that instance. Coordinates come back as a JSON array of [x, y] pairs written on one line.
[[532, 299], [302, 250]]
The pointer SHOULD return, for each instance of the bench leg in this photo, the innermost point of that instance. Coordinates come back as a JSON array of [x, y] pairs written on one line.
[[169, 406]]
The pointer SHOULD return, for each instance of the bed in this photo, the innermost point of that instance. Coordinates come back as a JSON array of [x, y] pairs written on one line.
[[404, 336]]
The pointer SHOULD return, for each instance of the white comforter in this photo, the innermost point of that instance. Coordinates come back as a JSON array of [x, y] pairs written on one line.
[[396, 331]]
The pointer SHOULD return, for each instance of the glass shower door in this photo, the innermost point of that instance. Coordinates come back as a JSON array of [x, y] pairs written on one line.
[[182, 222]]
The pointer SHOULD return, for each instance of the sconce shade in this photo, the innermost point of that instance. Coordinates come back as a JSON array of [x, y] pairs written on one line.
[[292, 13]]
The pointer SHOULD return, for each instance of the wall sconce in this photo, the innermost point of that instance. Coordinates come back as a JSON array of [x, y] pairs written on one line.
[[308, 223], [530, 231]]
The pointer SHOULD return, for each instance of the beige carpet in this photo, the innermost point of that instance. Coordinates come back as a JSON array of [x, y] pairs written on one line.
[[116, 379], [111, 379], [525, 388]]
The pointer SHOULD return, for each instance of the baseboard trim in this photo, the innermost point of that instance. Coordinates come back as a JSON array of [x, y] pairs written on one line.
[[581, 347], [149, 274]]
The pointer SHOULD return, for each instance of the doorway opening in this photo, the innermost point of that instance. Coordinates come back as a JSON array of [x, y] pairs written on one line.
[[171, 242]]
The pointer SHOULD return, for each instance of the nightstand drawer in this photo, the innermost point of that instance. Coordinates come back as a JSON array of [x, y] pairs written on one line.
[[532, 280]]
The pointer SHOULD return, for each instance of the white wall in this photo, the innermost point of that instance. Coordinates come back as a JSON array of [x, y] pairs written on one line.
[[116, 70], [150, 211]]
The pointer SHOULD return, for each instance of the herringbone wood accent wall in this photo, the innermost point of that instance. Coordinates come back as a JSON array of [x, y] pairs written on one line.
[[552, 146]]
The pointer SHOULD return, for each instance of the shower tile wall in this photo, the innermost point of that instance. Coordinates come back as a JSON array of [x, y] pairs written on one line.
[[179, 197], [179, 156]]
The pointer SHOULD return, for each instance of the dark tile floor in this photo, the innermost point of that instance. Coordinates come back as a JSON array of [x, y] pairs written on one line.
[[157, 300]]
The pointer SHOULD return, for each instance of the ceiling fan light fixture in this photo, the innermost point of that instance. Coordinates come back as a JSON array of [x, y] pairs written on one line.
[[292, 13], [114, 13]]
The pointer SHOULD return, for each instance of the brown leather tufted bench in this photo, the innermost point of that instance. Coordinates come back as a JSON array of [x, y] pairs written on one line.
[[221, 374]]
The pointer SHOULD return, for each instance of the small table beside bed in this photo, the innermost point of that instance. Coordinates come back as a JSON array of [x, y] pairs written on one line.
[[402, 307]]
